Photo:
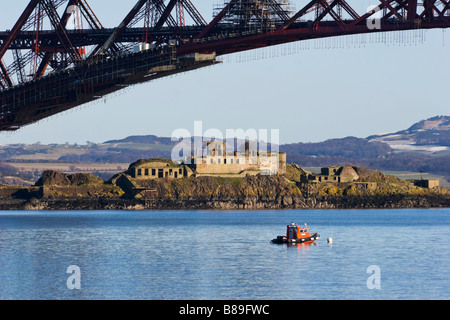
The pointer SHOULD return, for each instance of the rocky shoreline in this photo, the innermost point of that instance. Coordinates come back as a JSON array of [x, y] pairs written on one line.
[[248, 203], [373, 190]]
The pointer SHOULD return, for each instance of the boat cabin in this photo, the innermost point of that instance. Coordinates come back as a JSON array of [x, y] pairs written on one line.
[[297, 232]]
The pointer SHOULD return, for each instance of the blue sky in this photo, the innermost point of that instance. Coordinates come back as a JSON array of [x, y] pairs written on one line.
[[311, 91]]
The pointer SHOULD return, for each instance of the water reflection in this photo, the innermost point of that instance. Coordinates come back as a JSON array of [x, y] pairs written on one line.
[[302, 247], [216, 255]]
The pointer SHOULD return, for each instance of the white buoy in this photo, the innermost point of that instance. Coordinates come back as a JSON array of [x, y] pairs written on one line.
[[330, 240]]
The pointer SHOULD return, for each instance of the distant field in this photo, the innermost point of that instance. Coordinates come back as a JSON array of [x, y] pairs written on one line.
[[72, 167], [139, 146], [119, 167], [47, 153]]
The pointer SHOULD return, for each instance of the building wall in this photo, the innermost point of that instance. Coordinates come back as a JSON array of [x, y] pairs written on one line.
[[158, 170], [218, 165], [428, 184], [347, 178], [216, 168], [329, 171], [433, 184], [282, 156]]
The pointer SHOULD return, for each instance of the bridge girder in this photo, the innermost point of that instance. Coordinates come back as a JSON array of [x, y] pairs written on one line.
[[433, 14], [238, 26]]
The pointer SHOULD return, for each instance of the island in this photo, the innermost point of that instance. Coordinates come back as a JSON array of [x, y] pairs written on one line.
[[225, 182]]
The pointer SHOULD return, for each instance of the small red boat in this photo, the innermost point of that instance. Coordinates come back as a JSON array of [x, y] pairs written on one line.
[[297, 234]]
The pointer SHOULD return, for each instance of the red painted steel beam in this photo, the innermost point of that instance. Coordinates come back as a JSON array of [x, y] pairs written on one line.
[[427, 10], [444, 10], [216, 20], [60, 30], [298, 15], [119, 30], [47, 56], [13, 34], [367, 15], [447, 7], [412, 10], [18, 26], [349, 9], [233, 45], [387, 4], [329, 10], [193, 12], [279, 10], [165, 15], [5, 75], [89, 15]]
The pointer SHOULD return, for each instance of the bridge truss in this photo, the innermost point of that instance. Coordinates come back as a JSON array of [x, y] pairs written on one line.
[[58, 55]]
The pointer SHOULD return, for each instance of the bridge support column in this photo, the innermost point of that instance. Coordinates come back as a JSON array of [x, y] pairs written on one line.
[[412, 10]]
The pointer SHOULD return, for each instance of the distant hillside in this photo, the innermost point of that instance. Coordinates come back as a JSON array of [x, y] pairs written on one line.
[[431, 136], [149, 139], [348, 148], [440, 123], [423, 146]]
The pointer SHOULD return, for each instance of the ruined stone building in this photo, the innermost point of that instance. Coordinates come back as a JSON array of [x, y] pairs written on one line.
[[219, 162], [158, 169], [331, 174], [215, 162]]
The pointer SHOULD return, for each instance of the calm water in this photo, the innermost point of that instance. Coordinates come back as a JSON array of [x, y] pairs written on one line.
[[224, 255]]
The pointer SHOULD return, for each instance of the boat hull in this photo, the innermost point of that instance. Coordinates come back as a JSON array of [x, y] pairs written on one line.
[[283, 239]]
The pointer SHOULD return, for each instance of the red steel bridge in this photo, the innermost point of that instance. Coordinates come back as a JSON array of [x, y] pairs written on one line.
[[47, 67]]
